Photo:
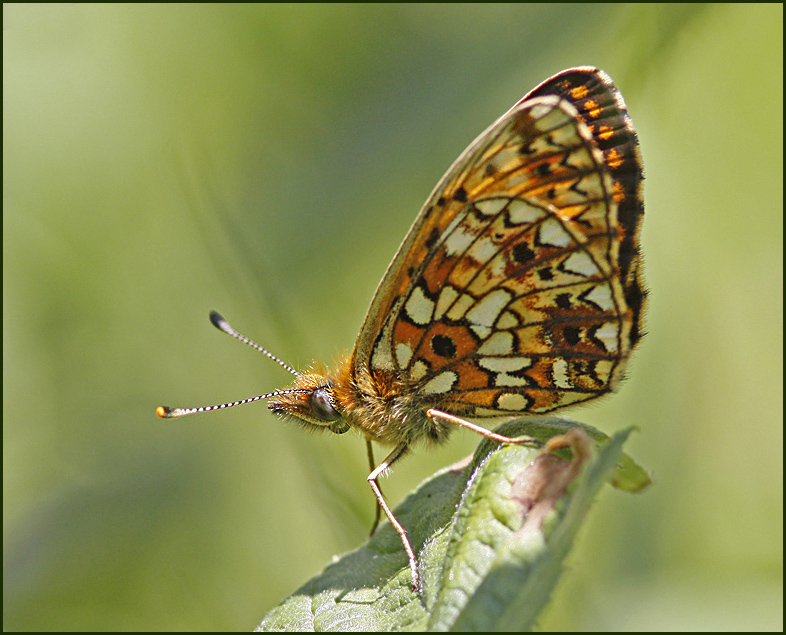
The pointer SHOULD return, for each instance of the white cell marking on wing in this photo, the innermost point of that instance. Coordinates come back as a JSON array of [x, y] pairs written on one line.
[[488, 309], [596, 211], [512, 401], [507, 320], [452, 225], [541, 146], [403, 354], [520, 212], [566, 197], [503, 379], [580, 157], [445, 299], [480, 330], [381, 357], [442, 383], [508, 159], [504, 364], [546, 117], [605, 367], [483, 250], [458, 242], [601, 297], [580, 263], [592, 185], [609, 334], [418, 371], [566, 136], [491, 206], [418, 307], [500, 343], [552, 233], [559, 370], [461, 306]]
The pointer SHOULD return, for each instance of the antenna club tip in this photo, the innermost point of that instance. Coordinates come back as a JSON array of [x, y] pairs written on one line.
[[163, 411], [218, 321]]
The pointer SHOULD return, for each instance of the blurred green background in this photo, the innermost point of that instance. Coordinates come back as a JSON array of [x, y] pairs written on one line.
[[266, 161]]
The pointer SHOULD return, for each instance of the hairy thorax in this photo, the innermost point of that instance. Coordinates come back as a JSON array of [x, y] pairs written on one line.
[[383, 407]]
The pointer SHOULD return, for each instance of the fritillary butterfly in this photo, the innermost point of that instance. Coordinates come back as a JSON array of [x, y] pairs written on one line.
[[517, 290]]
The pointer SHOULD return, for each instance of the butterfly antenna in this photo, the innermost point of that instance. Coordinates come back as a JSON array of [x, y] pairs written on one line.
[[165, 412], [222, 325]]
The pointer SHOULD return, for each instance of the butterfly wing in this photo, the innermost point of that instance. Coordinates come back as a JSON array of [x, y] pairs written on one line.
[[517, 288], [602, 108]]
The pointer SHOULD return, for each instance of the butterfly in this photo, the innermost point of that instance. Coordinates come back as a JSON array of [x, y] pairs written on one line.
[[517, 290]]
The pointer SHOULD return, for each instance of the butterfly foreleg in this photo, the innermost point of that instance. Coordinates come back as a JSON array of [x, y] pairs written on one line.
[[372, 481], [434, 413]]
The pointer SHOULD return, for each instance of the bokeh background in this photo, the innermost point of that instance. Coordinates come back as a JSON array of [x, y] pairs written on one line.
[[164, 160]]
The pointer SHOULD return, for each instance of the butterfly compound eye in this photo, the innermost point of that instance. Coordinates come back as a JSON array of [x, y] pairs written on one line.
[[322, 405]]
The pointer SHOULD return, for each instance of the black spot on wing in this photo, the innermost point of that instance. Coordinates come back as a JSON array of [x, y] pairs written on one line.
[[443, 346]]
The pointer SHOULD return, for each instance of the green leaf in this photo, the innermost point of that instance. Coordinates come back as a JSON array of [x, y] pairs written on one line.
[[490, 534]]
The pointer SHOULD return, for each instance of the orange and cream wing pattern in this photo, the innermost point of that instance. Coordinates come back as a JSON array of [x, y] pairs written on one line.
[[518, 288]]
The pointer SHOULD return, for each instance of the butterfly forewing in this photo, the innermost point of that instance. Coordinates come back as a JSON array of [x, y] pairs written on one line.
[[507, 294]]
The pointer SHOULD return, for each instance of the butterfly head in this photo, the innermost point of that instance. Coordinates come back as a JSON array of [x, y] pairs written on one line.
[[311, 402]]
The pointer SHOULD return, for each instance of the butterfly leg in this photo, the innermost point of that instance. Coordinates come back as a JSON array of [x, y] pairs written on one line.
[[371, 466], [372, 481], [433, 413]]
